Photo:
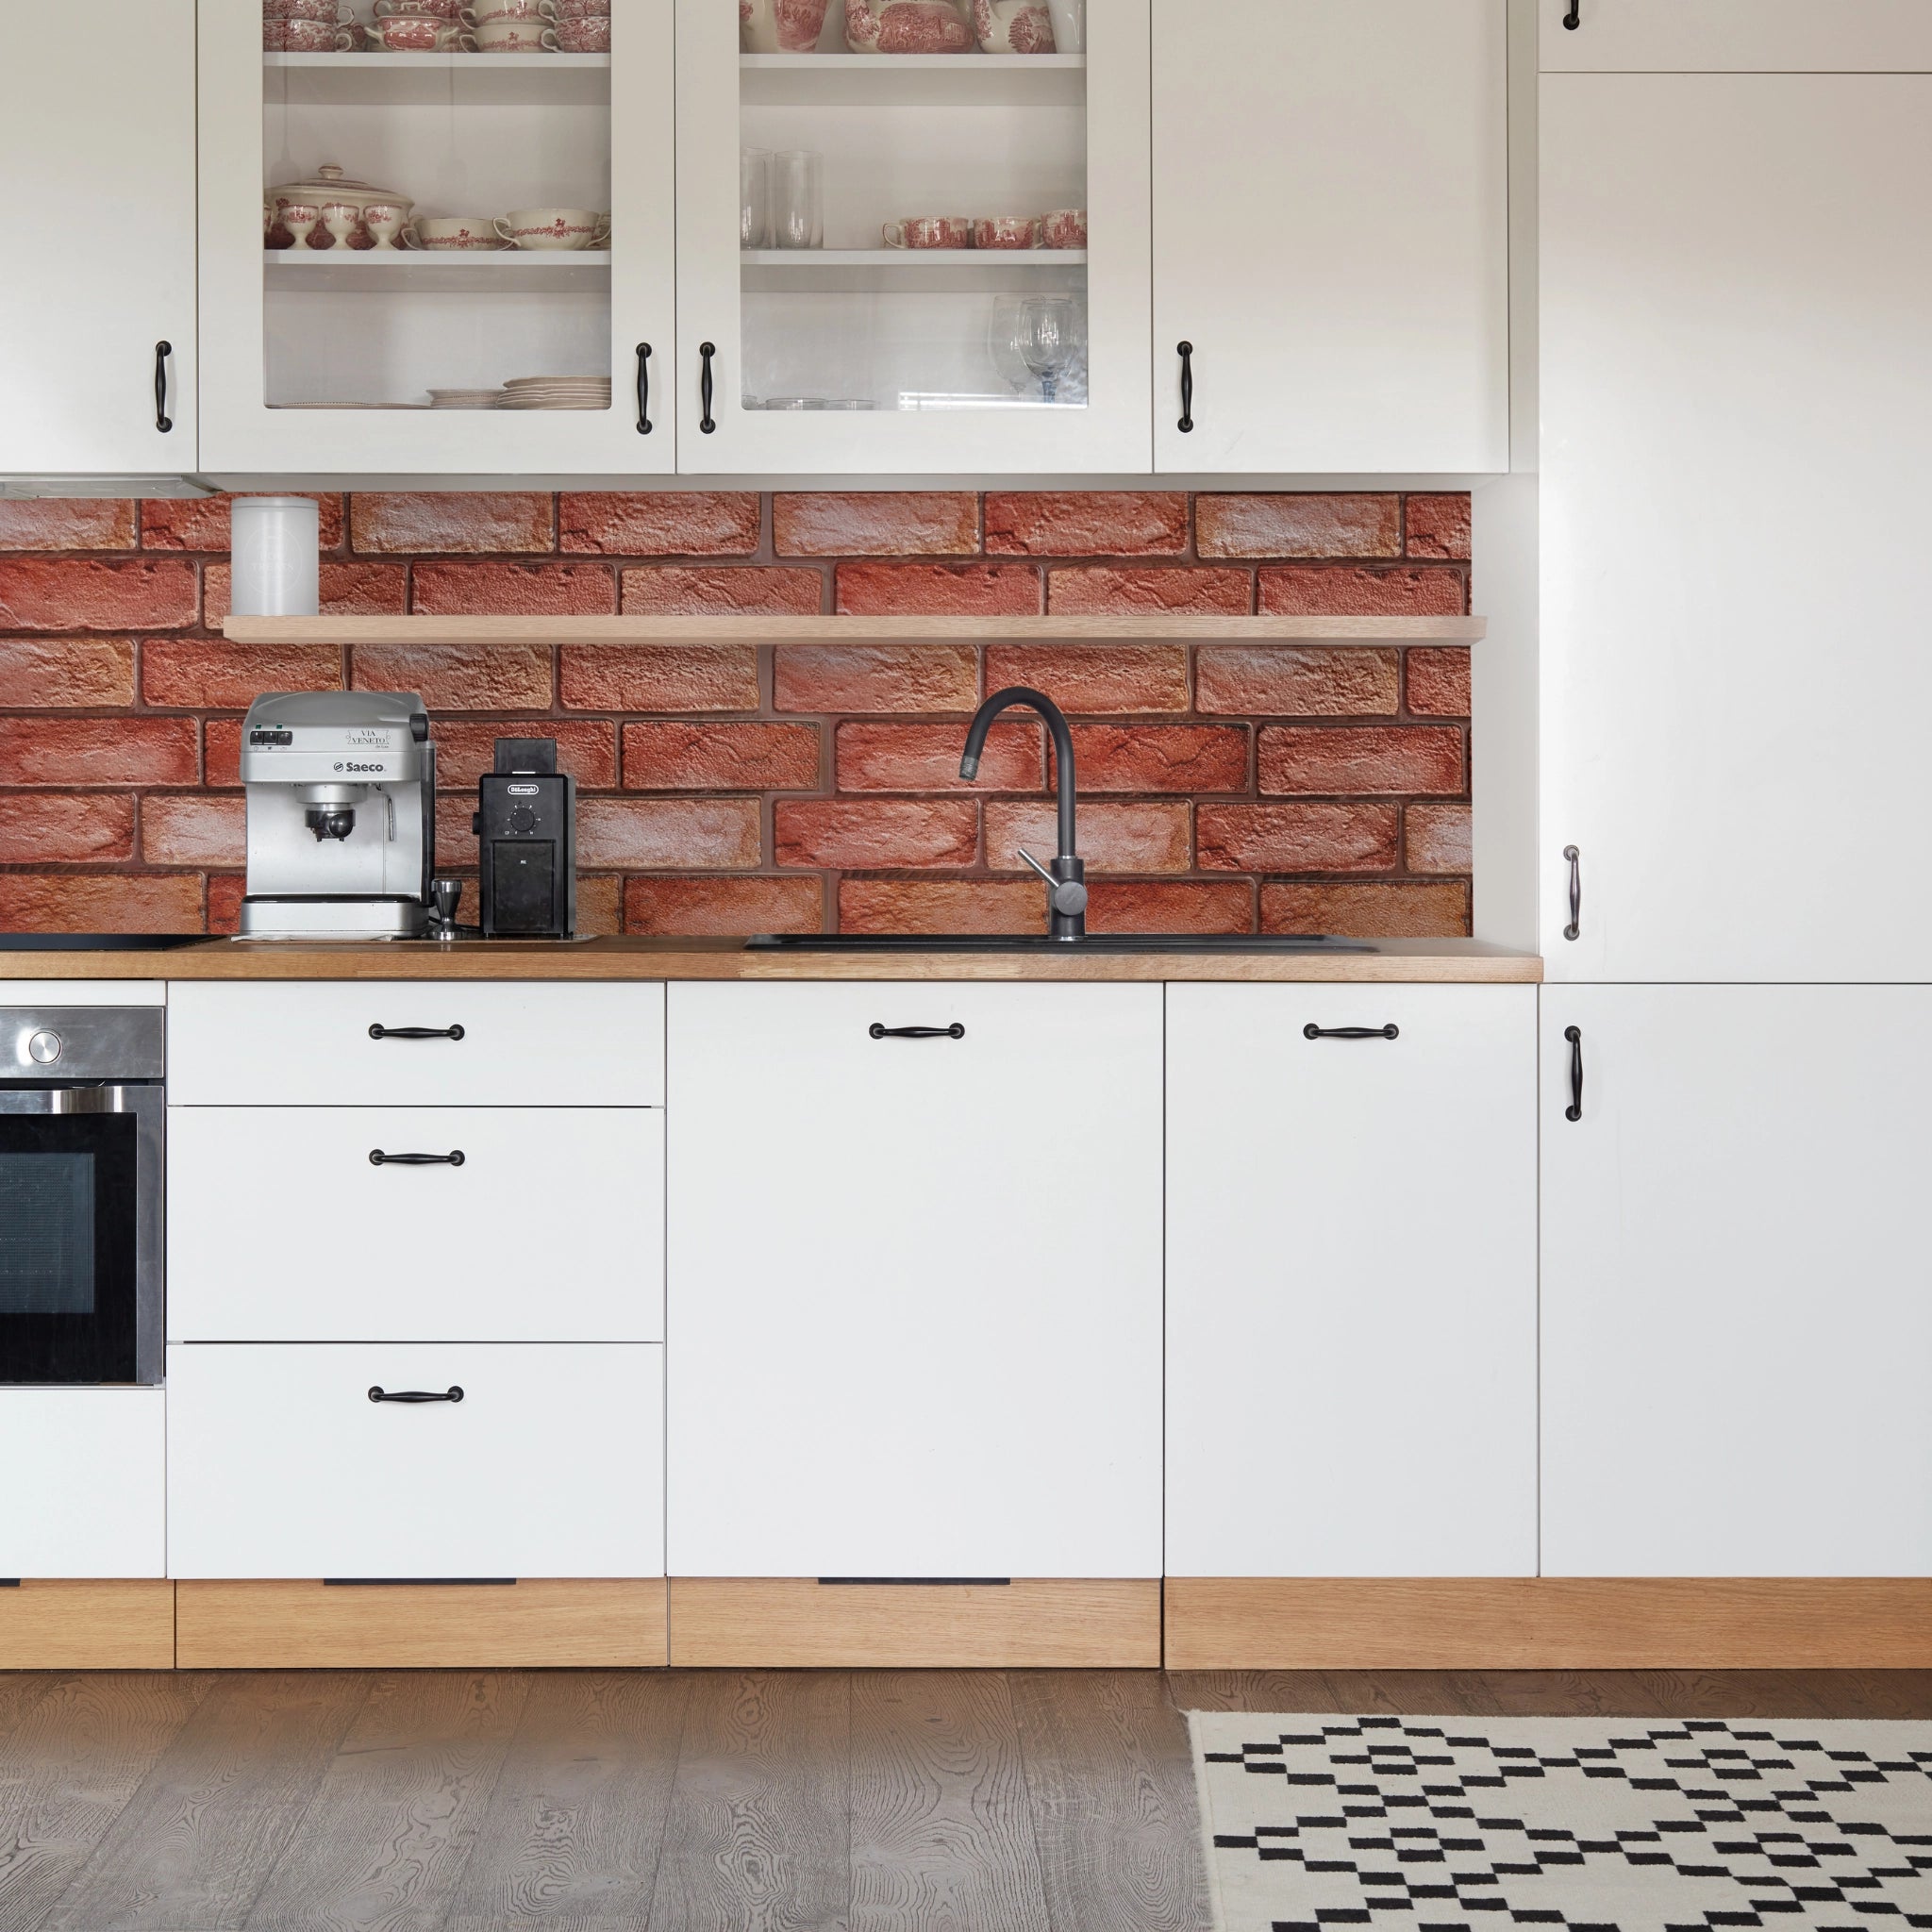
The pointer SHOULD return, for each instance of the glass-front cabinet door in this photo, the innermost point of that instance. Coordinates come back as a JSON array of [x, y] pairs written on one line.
[[437, 240], [913, 236]]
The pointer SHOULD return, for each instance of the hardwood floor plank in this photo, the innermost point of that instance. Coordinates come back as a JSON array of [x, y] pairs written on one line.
[[1250, 1690], [20, 1690], [69, 1767], [196, 1844], [1875, 1693], [1111, 1784], [941, 1822], [759, 1839], [1401, 1693], [572, 1837], [385, 1837]]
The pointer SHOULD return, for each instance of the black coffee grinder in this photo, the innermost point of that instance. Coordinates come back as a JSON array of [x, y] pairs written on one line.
[[525, 824]]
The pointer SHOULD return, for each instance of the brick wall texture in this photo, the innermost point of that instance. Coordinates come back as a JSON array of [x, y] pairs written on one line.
[[731, 789]]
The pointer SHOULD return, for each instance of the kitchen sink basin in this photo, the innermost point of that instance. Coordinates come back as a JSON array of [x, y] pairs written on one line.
[[1040, 942]]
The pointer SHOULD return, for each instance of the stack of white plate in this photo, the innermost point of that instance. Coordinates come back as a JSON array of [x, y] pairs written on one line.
[[465, 398], [556, 392]]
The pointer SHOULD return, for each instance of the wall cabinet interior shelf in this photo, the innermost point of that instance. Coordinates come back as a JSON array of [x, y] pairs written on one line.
[[911, 81], [385, 269], [424, 79]]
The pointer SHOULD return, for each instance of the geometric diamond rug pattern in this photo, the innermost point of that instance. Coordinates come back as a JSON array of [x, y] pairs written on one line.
[[1425, 1825]]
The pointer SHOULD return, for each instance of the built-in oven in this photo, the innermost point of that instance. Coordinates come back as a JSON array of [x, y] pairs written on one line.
[[83, 1117]]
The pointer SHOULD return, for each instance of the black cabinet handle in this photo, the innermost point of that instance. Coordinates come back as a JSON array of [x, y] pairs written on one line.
[[378, 1159], [1186, 351], [1313, 1032], [1574, 18], [163, 422], [954, 1031], [706, 351], [1574, 928], [449, 1394], [1574, 1036], [415, 1033], [644, 389]]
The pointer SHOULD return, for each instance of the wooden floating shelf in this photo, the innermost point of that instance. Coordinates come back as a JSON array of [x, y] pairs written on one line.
[[1345, 632]]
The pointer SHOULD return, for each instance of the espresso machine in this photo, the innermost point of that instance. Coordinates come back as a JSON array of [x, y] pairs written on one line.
[[342, 815]]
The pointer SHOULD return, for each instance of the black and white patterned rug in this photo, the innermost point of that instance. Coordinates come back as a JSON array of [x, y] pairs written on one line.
[[1647, 1825]]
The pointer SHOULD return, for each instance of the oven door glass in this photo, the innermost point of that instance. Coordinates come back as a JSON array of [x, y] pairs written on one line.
[[67, 1221]]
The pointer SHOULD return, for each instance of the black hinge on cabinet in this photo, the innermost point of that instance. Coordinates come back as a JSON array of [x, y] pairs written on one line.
[[916, 1582]]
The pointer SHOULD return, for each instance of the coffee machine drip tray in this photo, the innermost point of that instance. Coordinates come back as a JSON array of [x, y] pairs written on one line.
[[296, 918]]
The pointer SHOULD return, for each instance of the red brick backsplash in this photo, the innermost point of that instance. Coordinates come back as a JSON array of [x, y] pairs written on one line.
[[728, 788]]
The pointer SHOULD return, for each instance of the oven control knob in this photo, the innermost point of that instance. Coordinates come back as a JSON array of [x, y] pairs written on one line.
[[44, 1047]]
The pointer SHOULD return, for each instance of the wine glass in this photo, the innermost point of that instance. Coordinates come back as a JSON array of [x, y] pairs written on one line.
[[1045, 337]]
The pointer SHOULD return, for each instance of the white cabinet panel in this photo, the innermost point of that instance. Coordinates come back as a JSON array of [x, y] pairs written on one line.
[[1737, 402], [280, 1464], [416, 1253], [1737, 1297], [97, 230], [1351, 1282], [308, 1043], [914, 1285], [86, 1482], [1330, 233], [1737, 36]]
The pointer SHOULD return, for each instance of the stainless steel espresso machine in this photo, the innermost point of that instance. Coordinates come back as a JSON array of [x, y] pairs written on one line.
[[342, 815]]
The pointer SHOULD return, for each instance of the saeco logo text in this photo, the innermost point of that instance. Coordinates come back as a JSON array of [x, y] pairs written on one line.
[[351, 765]]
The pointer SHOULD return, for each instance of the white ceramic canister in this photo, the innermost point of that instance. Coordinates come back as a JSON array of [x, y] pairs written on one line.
[[276, 557]]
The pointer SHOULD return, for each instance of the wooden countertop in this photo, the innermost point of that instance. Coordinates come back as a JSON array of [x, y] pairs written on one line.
[[1394, 961]]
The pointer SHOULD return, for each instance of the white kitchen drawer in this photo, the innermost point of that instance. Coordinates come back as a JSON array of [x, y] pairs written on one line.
[[279, 1464], [552, 1229], [86, 1482], [308, 1043]]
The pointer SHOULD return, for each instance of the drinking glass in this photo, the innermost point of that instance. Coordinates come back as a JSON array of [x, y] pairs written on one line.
[[1047, 336], [754, 197], [798, 199]]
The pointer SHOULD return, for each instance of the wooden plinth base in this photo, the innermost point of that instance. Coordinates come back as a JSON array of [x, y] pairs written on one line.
[[534, 1624], [1548, 1623], [799, 1623], [85, 1624]]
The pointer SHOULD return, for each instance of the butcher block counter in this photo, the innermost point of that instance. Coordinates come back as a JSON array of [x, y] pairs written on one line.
[[1392, 962]]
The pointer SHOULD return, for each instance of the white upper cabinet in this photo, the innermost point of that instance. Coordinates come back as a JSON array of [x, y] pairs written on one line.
[[848, 356], [97, 228], [1737, 1296], [1331, 235], [323, 356], [1737, 407], [1735, 36], [1351, 1281]]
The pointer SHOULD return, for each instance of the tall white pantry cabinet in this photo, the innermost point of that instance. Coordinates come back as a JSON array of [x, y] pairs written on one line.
[[1736, 385]]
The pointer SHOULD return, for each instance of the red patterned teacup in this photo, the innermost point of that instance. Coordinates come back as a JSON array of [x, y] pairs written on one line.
[[514, 36], [463, 234], [443, 9], [554, 228], [419, 33], [1065, 228], [584, 35], [583, 9], [928, 231], [1004, 231], [334, 11], [313, 36]]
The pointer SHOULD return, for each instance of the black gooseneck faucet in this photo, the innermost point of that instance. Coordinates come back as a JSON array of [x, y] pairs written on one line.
[[1066, 886]]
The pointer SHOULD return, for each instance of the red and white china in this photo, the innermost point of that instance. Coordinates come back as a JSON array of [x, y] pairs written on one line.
[[583, 9], [384, 222], [460, 234], [554, 228], [443, 9], [331, 185], [419, 33], [311, 37], [1013, 26], [1065, 228], [1004, 231], [1069, 26], [300, 219], [336, 12], [513, 37], [584, 35], [541, 11], [906, 26], [928, 231], [779, 27]]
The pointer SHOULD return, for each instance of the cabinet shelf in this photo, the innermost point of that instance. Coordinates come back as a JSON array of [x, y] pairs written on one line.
[[909, 81], [479, 80], [848, 270], [380, 269]]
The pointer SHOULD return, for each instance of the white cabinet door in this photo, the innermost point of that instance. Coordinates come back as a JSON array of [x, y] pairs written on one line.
[[1351, 1281], [914, 1284], [1737, 403], [86, 1482], [1331, 235], [291, 331], [97, 230], [1737, 1297], [415, 1043], [1736, 36], [281, 1464], [245, 1263], [882, 361]]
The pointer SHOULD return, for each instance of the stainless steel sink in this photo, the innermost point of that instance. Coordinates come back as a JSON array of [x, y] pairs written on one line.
[[1040, 942]]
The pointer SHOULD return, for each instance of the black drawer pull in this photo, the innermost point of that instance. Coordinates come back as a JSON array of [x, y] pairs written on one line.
[[644, 389], [163, 422], [1186, 351], [450, 1395], [378, 1159], [706, 351], [1574, 18], [1313, 1032], [415, 1033], [954, 1031], [1574, 1036]]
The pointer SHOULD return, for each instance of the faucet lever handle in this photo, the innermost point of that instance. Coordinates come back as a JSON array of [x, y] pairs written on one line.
[[1068, 895], [1021, 852]]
